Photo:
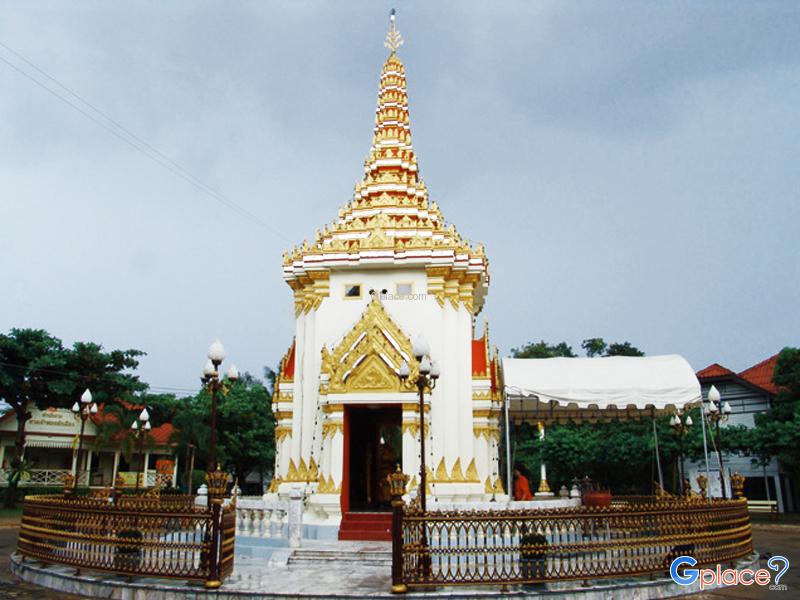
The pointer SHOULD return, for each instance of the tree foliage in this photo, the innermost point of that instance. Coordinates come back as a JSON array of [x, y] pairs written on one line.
[[598, 347], [592, 346], [777, 431], [543, 350], [37, 370], [245, 425]]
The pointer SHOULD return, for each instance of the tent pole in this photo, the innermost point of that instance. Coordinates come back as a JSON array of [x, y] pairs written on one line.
[[508, 447], [658, 457]]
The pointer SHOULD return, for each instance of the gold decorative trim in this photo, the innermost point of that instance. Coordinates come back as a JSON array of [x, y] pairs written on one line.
[[330, 428], [302, 473], [327, 486], [411, 427], [456, 474], [486, 431], [281, 377], [472, 473], [414, 406], [498, 486], [282, 431], [309, 290], [369, 355]]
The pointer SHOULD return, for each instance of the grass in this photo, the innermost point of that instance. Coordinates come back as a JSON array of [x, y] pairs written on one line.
[[11, 513]]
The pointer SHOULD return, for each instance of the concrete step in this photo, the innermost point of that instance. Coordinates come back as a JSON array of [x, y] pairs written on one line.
[[312, 556], [369, 526], [365, 534]]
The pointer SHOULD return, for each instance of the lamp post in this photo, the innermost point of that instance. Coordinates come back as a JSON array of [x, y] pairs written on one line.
[[428, 375], [85, 408], [427, 378], [716, 414], [211, 381], [681, 428], [140, 427]]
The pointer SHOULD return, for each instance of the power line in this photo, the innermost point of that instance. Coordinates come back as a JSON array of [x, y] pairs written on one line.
[[165, 389], [134, 141]]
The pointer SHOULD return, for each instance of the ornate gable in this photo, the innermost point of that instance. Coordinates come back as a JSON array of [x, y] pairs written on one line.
[[369, 355]]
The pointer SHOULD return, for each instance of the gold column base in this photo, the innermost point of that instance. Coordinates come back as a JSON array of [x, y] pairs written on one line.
[[212, 585], [399, 588], [544, 487]]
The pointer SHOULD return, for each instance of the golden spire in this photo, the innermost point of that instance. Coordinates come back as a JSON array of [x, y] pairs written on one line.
[[393, 39], [390, 218]]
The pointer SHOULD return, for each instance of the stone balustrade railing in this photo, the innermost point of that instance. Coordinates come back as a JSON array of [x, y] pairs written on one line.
[[259, 517], [266, 516]]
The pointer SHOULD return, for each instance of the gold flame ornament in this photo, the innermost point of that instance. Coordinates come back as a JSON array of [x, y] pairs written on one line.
[[393, 39]]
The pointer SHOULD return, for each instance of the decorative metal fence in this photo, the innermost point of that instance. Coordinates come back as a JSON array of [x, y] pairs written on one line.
[[167, 536], [634, 537]]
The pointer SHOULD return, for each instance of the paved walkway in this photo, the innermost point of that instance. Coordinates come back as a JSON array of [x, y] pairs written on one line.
[[10, 586], [776, 539], [360, 580]]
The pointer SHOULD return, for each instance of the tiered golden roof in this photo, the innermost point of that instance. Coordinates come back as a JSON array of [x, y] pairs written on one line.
[[390, 218]]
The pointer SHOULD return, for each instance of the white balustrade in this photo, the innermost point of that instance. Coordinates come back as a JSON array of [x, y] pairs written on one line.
[[44, 477], [258, 517]]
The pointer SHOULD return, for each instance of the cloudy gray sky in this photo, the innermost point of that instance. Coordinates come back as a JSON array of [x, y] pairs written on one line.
[[631, 167]]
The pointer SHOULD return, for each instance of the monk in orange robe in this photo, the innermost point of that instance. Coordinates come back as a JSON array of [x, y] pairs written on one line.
[[522, 490]]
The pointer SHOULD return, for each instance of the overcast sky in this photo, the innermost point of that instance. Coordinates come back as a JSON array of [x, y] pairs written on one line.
[[632, 168]]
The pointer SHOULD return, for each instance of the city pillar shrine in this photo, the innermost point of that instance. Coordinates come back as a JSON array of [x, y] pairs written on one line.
[[387, 269]]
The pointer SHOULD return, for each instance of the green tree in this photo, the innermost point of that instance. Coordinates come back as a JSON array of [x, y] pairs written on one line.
[[30, 373], [618, 455], [777, 431], [190, 418], [245, 425], [594, 347], [598, 347], [543, 350], [36, 369], [623, 349], [247, 428]]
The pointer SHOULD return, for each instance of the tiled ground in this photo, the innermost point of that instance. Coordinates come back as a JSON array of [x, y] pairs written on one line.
[[361, 581]]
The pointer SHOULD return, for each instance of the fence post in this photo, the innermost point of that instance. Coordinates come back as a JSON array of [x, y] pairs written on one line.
[[213, 581], [397, 486], [295, 515]]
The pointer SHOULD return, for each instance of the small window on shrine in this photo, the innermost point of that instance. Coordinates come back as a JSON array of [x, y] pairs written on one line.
[[352, 290], [405, 289]]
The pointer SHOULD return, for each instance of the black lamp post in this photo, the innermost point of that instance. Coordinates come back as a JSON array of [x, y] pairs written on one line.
[[140, 427], [85, 408], [681, 428], [716, 415], [211, 381], [427, 378], [428, 375]]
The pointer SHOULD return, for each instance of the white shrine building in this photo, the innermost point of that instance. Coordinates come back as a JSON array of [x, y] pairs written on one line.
[[385, 270]]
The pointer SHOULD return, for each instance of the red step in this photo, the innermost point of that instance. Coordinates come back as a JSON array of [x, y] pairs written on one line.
[[371, 526]]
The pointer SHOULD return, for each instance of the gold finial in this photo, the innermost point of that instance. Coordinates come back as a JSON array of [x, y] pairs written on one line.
[[393, 39]]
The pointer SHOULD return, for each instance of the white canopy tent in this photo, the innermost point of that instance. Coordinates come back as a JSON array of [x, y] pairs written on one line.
[[581, 389], [560, 389]]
